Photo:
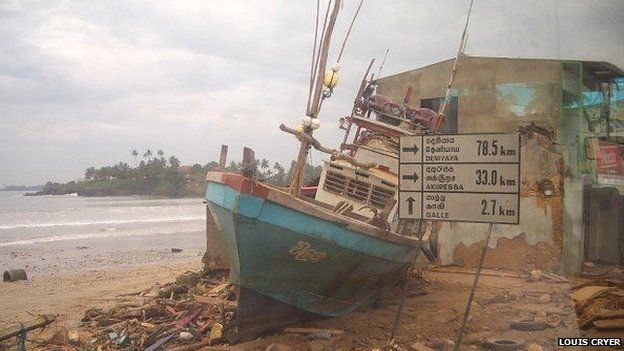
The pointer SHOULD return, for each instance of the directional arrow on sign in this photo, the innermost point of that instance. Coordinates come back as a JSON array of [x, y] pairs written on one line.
[[413, 149], [413, 177], [410, 205]]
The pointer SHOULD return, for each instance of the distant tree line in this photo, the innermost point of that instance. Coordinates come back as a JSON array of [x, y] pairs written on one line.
[[21, 188], [162, 175]]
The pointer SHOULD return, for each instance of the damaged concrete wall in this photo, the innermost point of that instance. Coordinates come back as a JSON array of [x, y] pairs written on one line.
[[495, 94], [504, 95], [536, 242]]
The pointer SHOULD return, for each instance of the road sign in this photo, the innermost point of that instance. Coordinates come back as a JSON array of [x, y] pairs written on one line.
[[411, 177], [462, 178]]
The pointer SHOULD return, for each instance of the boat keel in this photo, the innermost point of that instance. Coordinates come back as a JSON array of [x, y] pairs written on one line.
[[258, 314]]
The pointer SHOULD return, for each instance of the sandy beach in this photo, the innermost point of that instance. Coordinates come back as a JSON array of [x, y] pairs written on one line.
[[69, 292]]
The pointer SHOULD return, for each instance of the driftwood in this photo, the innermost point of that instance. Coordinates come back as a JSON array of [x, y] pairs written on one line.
[[203, 345], [215, 301], [554, 277], [609, 324], [39, 322], [602, 315], [312, 330], [472, 272], [317, 145]]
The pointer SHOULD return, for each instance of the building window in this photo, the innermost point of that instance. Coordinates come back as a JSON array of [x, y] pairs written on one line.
[[450, 125]]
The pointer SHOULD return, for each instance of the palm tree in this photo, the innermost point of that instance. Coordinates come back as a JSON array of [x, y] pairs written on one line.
[[148, 154], [174, 162], [90, 173], [135, 154], [264, 164]]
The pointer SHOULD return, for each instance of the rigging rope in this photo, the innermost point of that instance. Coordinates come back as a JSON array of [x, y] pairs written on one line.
[[357, 11], [318, 57], [318, 5]]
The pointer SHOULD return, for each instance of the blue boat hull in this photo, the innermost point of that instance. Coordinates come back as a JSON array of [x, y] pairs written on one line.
[[310, 263]]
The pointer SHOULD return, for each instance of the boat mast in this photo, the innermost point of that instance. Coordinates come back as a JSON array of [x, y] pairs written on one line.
[[460, 52], [314, 106]]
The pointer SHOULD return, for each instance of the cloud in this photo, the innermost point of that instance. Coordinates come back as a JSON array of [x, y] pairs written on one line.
[[84, 83]]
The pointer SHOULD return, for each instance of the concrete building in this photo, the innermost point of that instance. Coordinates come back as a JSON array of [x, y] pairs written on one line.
[[571, 118]]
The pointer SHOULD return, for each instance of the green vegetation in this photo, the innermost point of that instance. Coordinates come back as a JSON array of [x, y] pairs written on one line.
[[21, 188], [159, 175]]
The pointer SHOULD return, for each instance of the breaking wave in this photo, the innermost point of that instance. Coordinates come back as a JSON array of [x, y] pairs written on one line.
[[53, 238], [74, 224]]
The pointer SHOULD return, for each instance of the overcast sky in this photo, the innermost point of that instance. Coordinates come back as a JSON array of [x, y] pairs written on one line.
[[82, 83]]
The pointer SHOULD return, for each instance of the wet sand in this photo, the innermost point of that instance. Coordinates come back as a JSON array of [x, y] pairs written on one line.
[[74, 279]]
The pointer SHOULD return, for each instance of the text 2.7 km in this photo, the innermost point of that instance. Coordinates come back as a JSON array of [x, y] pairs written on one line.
[[492, 208]]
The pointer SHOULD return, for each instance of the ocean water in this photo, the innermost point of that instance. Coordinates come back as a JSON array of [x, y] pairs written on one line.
[[53, 231]]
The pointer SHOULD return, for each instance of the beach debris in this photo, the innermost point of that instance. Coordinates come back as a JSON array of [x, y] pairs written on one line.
[[60, 336], [418, 346], [324, 335], [503, 344], [159, 343], [74, 337], [554, 277], [312, 330], [209, 300], [278, 347], [176, 249], [535, 275], [189, 317], [441, 344], [610, 324], [179, 316], [585, 294], [81, 247], [545, 298], [122, 340], [14, 275], [185, 336], [216, 332], [320, 344], [601, 315], [15, 330], [529, 324], [477, 338]]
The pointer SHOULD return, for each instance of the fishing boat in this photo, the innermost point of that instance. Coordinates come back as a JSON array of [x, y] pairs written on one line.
[[294, 257]]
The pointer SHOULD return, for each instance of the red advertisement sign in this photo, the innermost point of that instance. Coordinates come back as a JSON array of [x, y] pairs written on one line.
[[609, 160]]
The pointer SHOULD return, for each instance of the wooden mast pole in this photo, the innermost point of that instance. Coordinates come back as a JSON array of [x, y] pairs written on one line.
[[295, 185], [460, 52]]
